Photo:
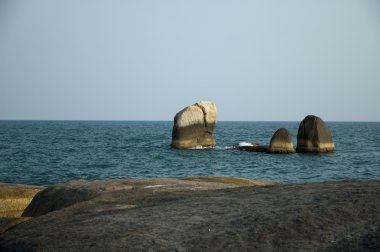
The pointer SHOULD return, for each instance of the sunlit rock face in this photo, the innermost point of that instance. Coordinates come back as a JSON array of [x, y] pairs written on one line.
[[194, 126], [281, 142], [314, 136]]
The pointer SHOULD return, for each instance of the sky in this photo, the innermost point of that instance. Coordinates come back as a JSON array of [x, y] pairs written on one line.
[[269, 60]]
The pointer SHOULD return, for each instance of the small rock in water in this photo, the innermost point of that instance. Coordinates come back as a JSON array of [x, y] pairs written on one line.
[[281, 142]]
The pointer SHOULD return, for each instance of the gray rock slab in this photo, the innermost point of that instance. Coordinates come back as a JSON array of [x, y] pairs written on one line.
[[305, 217]]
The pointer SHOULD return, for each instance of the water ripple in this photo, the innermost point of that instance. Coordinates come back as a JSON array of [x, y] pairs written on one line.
[[47, 152]]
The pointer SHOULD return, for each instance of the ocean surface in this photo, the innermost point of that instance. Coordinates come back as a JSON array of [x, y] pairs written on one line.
[[48, 152]]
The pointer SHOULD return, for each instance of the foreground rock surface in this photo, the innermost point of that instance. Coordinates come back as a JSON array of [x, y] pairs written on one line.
[[197, 215], [64, 195], [194, 126], [14, 198], [314, 136], [8, 223], [281, 142]]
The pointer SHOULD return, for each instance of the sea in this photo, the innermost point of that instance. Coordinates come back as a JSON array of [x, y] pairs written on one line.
[[50, 152]]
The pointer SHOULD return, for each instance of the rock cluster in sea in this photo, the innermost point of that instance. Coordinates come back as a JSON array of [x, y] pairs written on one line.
[[313, 136], [195, 124]]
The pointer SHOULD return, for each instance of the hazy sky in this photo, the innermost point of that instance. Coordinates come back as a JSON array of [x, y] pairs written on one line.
[[146, 60]]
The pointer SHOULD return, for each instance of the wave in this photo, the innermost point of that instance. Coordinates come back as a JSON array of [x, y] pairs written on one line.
[[199, 147], [246, 144]]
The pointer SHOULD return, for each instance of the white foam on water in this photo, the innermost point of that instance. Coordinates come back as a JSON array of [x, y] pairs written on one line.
[[245, 144], [229, 147], [199, 147]]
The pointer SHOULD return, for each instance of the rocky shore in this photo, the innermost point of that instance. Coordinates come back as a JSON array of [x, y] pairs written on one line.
[[197, 214]]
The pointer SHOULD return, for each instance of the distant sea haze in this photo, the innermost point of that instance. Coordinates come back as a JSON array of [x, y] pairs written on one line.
[[48, 152]]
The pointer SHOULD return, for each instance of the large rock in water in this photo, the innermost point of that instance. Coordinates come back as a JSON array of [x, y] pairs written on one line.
[[314, 136], [281, 142], [194, 126]]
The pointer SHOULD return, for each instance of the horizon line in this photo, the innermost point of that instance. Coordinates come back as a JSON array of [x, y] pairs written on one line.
[[147, 120]]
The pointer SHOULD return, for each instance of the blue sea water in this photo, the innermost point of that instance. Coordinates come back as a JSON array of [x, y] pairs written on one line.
[[48, 152]]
